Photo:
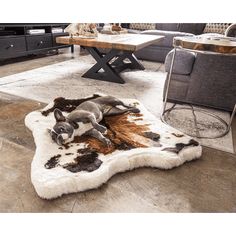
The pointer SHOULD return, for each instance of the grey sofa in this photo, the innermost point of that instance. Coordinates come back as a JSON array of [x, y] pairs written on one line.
[[202, 79], [157, 52]]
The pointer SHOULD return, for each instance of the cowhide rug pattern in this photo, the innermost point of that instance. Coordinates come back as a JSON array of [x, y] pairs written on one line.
[[138, 140]]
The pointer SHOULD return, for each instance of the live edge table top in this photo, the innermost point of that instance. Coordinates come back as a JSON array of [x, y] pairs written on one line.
[[126, 42], [214, 44]]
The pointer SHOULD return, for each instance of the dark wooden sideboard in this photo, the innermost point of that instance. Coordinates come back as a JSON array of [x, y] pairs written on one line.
[[15, 41]]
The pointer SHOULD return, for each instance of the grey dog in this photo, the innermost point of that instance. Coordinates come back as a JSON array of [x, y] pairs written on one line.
[[85, 119]]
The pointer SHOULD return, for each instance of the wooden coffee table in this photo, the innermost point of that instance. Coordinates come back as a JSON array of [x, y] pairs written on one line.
[[120, 47]]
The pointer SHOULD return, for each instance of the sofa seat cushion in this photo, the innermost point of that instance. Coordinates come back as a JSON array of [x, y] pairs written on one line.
[[169, 35], [183, 63]]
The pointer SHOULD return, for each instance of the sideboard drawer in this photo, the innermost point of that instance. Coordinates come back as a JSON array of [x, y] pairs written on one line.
[[39, 42], [10, 46]]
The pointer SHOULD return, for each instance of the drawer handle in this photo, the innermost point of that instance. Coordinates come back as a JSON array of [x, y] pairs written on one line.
[[40, 43], [11, 46]]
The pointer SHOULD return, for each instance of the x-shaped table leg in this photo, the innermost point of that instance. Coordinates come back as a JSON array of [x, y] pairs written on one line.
[[111, 70], [133, 64]]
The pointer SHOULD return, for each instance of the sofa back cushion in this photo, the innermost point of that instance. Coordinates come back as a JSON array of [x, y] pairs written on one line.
[[194, 28], [219, 28], [167, 26]]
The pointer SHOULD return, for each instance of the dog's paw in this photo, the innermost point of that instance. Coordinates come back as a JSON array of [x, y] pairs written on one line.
[[102, 129], [107, 142]]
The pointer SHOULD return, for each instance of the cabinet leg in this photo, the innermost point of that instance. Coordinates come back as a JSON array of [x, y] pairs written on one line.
[[72, 49]]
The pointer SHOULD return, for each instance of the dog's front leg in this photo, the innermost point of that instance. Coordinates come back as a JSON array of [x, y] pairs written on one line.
[[96, 134], [96, 126]]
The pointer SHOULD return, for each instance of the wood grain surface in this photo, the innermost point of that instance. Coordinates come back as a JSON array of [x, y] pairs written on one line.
[[210, 44], [126, 42]]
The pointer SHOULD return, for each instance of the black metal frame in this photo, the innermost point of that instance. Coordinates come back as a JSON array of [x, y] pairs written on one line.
[[110, 70]]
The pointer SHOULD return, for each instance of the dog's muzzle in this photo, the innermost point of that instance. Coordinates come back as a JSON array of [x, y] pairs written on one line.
[[58, 138]]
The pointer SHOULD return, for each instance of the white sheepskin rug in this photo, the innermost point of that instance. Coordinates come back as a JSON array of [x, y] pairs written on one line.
[[137, 140]]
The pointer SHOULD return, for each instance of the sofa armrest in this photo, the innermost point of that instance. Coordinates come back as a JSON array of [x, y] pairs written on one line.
[[134, 31], [169, 35], [183, 63]]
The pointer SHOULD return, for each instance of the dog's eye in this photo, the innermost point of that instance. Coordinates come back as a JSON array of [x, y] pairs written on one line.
[[61, 129]]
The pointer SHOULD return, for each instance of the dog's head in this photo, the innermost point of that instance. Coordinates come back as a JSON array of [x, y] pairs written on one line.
[[62, 131]]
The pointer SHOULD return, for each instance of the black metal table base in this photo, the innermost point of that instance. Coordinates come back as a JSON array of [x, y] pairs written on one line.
[[109, 65]]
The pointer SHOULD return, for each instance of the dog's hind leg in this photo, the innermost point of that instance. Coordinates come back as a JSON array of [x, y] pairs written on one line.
[[96, 134], [124, 105], [117, 111], [112, 101], [128, 108]]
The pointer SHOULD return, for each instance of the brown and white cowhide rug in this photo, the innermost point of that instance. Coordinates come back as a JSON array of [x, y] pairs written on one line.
[[137, 140]]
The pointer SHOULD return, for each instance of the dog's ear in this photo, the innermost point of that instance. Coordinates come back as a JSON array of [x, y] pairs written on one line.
[[59, 116]]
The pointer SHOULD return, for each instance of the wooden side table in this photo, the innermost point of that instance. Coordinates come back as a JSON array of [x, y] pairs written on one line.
[[202, 44]]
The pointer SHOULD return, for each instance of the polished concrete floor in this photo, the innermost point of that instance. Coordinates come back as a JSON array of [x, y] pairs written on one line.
[[205, 185]]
